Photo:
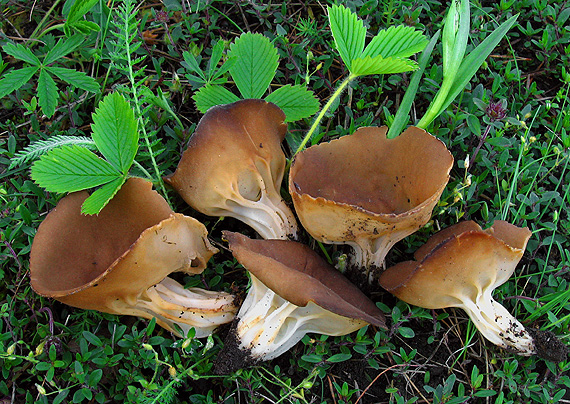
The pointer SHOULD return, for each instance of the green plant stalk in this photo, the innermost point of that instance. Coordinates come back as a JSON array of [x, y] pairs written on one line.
[[139, 115], [46, 16], [321, 115]]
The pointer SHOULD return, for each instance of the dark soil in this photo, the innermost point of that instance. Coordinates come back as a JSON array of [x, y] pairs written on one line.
[[232, 357], [548, 346]]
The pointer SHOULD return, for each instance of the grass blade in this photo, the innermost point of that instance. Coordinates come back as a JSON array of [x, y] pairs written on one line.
[[402, 115]]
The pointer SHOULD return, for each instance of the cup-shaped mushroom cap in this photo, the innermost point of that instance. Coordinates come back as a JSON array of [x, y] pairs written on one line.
[[234, 166], [299, 275], [369, 191], [460, 267], [115, 261]]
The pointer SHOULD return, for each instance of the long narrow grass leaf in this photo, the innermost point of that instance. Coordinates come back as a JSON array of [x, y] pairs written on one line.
[[348, 32], [72, 168], [255, 66], [402, 115], [115, 131], [475, 59]]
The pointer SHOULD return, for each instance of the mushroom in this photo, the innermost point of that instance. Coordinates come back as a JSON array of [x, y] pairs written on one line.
[[234, 166], [370, 191], [293, 292], [460, 267], [118, 262]]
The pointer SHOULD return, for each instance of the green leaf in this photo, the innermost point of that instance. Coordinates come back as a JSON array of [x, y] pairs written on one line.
[[101, 197], [348, 32], [85, 27], [397, 41], [63, 47], [75, 78], [16, 79], [115, 131], [40, 147], [47, 93], [193, 65], [475, 59], [79, 9], [402, 115], [210, 95], [255, 66], [72, 168], [21, 52], [217, 52], [378, 65], [296, 101]]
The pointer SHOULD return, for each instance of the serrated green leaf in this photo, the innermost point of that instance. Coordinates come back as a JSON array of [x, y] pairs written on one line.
[[21, 52], [85, 27], [211, 95], [115, 131], [72, 168], [348, 32], [47, 93], [217, 51], [79, 9], [63, 47], [255, 66], [101, 197], [40, 147], [193, 65], [379, 65], [296, 101], [75, 78], [15, 79], [397, 41]]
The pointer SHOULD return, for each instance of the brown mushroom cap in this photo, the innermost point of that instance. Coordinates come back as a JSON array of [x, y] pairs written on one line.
[[299, 275], [233, 160], [370, 190], [107, 262], [458, 263]]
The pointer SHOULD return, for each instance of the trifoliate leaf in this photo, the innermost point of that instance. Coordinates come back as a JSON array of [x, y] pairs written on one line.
[[211, 95], [16, 79], [72, 168], [98, 199], [255, 66], [397, 41], [63, 47], [296, 101], [21, 52], [47, 93], [379, 65], [115, 131], [75, 78], [348, 32]]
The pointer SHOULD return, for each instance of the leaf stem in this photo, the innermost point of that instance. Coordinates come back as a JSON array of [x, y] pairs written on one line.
[[40, 25], [321, 115]]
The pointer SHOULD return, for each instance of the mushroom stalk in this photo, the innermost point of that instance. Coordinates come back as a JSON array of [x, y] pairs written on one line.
[[496, 324], [270, 217], [178, 308]]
